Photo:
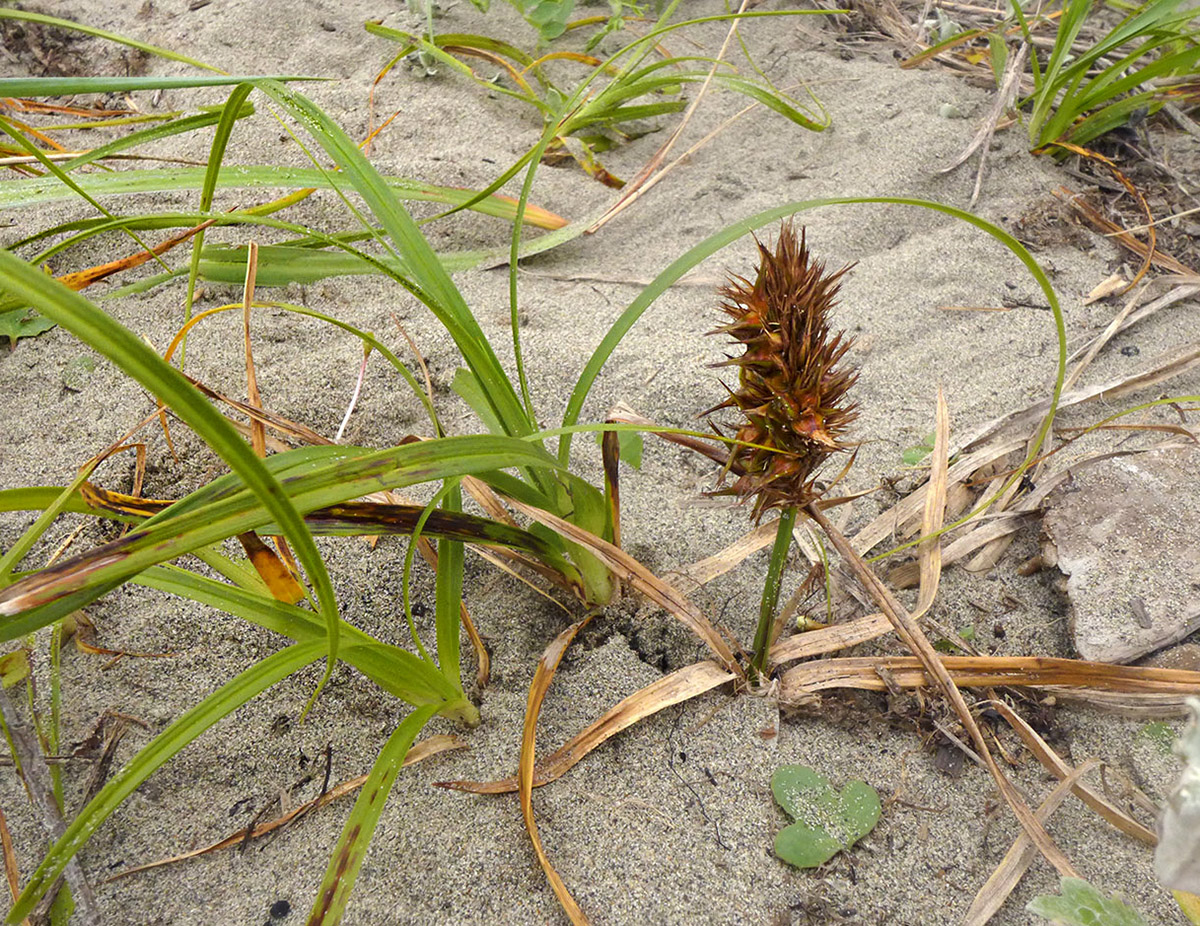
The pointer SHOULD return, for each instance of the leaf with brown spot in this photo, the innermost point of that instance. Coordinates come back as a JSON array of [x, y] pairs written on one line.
[[360, 827]]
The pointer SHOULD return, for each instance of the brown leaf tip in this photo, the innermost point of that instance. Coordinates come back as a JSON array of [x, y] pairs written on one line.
[[792, 383]]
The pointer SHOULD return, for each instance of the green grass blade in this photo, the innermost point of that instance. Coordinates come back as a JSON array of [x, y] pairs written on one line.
[[179, 734], [25, 542], [437, 290], [449, 585], [25, 87], [68, 181], [36, 191], [125, 349], [360, 825], [180, 126], [395, 670], [216, 156], [200, 520]]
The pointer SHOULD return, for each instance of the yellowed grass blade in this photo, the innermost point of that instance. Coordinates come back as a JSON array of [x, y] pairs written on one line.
[[1165, 368], [988, 671], [891, 520], [830, 639], [650, 174], [625, 567], [84, 278], [1020, 855], [542, 677], [419, 752], [705, 570], [929, 551], [681, 685]]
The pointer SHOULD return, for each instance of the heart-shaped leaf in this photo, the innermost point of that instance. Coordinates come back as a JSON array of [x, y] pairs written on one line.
[[827, 821]]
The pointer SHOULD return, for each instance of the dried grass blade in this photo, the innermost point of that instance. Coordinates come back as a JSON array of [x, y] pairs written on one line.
[[920, 645], [1124, 238], [929, 551], [82, 279], [1064, 675], [1020, 855], [650, 174], [12, 869], [35, 773], [1181, 291], [831, 639], [1058, 767], [1166, 368], [629, 569], [681, 685], [882, 527], [423, 750], [993, 527], [1148, 249], [542, 677]]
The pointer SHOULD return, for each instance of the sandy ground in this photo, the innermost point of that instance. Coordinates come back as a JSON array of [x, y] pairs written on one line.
[[672, 822]]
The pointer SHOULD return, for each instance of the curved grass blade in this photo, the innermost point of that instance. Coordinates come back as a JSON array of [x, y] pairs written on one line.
[[216, 156], [219, 704], [733, 232], [180, 126], [542, 677], [120, 345], [395, 670], [681, 685], [360, 825], [433, 285]]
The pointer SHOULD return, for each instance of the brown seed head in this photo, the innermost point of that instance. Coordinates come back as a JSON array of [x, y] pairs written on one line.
[[791, 389]]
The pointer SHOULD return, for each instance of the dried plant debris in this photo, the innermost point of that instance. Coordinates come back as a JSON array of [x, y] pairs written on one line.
[[1124, 534]]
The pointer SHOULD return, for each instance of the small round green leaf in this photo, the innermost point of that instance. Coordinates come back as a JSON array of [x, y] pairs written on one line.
[[827, 821]]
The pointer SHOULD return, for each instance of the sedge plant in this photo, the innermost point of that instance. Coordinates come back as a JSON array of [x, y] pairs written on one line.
[[791, 393]]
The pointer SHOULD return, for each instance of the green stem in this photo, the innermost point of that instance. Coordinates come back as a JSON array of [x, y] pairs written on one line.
[[770, 595]]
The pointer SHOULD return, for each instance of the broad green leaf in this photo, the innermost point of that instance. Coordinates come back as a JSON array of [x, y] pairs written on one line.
[[827, 821], [22, 323]]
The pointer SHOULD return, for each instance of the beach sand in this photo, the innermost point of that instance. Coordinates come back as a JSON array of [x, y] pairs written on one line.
[[673, 820]]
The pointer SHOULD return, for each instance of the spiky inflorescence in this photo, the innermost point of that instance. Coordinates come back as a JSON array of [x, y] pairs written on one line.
[[791, 389]]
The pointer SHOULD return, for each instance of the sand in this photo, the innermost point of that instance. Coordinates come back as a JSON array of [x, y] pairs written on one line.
[[672, 821]]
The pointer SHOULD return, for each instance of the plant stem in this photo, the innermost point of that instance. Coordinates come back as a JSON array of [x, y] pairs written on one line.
[[770, 595]]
